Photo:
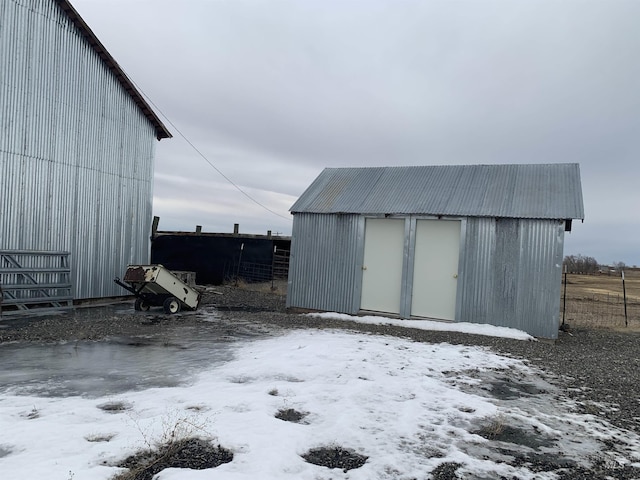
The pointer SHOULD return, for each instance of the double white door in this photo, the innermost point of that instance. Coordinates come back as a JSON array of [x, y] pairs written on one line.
[[434, 258]]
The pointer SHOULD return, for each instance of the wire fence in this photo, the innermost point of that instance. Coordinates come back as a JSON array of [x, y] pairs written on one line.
[[591, 300], [252, 272], [599, 301]]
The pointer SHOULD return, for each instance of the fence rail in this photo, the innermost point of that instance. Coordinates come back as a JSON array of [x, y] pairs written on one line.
[[35, 279], [253, 272]]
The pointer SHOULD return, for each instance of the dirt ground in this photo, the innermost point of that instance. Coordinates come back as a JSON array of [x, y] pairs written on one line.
[[596, 364], [596, 367], [583, 286]]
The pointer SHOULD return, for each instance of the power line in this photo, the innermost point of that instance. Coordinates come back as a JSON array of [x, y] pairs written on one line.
[[237, 187]]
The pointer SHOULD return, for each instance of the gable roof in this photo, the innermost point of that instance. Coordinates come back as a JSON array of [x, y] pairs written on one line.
[[74, 16], [551, 191]]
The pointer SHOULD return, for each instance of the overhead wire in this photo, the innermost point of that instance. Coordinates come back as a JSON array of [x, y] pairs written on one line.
[[236, 186]]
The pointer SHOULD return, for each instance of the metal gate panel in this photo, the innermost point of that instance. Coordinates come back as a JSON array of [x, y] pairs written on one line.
[[30, 278]]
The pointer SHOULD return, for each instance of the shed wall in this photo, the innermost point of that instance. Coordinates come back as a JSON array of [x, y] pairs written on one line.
[[325, 267], [509, 269], [76, 152], [511, 274]]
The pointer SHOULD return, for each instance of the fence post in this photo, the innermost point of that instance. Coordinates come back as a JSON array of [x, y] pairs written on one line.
[[624, 295], [273, 266], [564, 303], [239, 262]]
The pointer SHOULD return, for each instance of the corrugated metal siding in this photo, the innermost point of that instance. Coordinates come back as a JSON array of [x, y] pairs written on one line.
[[325, 268], [509, 270], [542, 246], [514, 191], [511, 274], [475, 285], [76, 153]]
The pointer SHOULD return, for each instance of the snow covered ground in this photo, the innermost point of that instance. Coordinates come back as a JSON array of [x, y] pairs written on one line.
[[408, 406]]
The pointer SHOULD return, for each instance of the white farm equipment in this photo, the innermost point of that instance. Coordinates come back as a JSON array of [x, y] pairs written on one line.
[[154, 285]]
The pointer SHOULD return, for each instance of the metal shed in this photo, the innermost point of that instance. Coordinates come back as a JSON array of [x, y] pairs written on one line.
[[77, 147], [462, 243]]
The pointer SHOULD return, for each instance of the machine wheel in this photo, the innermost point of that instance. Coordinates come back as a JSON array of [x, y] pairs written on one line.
[[141, 305], [171, 305]]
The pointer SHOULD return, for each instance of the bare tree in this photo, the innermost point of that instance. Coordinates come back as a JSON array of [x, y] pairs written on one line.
[[619, 266], [581, 264]]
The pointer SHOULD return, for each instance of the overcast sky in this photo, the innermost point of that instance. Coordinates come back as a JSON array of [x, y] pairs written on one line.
[[272, 92]]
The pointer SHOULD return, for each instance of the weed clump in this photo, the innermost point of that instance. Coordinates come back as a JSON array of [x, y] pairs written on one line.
[[193, 453]]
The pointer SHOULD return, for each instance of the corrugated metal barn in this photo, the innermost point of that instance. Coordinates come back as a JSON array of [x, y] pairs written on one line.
[[77, 146], [465, 243]]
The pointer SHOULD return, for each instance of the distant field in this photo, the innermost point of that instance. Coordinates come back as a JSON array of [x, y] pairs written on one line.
[[597, 300]]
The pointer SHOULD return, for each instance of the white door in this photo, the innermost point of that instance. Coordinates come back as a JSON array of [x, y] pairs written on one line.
[[382, 267], [435, 269]]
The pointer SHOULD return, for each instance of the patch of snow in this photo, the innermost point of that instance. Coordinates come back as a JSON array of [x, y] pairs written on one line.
[[408, 406], [439, 326]]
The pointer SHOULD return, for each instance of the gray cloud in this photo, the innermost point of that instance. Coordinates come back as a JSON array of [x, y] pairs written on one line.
[[272, 92]]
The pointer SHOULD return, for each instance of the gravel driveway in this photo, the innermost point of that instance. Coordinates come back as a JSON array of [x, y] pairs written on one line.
[[597, 367]]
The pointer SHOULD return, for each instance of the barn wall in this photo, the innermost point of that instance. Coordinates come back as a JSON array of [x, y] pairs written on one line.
[[76, 152], [325, 267], [511, 274]]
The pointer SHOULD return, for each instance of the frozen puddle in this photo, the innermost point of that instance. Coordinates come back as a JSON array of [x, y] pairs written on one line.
[[116, 365], [394, 408]]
